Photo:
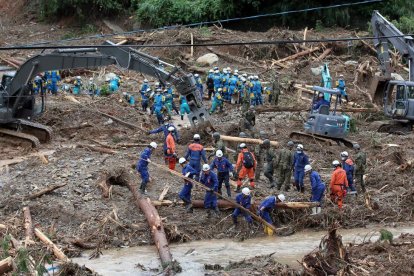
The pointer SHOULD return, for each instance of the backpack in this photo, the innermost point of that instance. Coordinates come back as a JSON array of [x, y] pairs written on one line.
[[248, 160]]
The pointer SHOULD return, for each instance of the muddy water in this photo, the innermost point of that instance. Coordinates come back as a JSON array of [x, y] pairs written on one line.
[[193, 255]]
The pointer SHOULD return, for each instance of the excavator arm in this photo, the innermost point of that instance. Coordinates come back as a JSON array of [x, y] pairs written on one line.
[[16, 101]]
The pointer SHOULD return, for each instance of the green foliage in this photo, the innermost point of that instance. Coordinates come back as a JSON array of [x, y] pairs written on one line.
[[5, 246], [405, 24], [22, 260], [105, 90], [386, 235], [319, 26], [353, 125]]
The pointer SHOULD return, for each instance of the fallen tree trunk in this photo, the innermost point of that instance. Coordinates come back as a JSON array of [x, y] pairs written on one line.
[[303, 53], [254, 216], [6, 265], [46, 190], [105, 187], [324, 54], [98, 149], [155, 224], [56, 251], [225, 204], [300, 109], [28, 226], [246, 140]]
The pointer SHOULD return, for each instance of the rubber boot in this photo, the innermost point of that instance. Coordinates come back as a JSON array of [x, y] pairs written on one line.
[[228, 191], [189, 208], [302, 189], [318, 210], [217, 211], [182, 117], [208, 213], [297, 187], [142, 188], [314, 211]]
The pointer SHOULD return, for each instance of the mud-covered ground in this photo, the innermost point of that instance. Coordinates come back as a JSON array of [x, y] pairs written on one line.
[[76, 216]]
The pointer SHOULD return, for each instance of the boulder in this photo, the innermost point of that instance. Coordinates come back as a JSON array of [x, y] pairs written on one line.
[[207, 59]]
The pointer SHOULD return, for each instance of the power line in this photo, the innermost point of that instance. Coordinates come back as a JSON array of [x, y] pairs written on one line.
[[211, 22], [234, 43]]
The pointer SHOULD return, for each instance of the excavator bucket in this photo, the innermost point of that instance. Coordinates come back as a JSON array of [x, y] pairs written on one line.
[[377, 89]]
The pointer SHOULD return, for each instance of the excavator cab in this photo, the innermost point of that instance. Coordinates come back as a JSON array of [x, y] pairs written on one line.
[[322, 121], [399, 100]]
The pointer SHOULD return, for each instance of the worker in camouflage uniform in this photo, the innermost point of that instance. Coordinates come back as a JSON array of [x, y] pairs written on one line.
[[285, 165], [274, 94], [218, 145], [249, 120], [259, 151], [271, 160], [360, 166]]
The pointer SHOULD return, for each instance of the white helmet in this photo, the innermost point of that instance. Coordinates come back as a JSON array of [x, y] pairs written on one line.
[[220, 89], [78, 77], [145, 80], [211, 71], [308, 168], [182, 160], [236, 71], [37, 78], [244, 75], [171, 128], [299, 147], [196, 137], [242, 145], [157, 83], [148, 89], [228, 69], [281, 197], [344, 154], [217, 71], [90, 79], [196, 75], [246, 191], [236, 74], [219, 153], [153, 145], [206, 167], [256, 77], [336, 163]]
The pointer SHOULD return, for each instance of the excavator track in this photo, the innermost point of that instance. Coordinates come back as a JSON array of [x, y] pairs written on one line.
[[329, 141], [393, 127], [28, 131], [8, 133]]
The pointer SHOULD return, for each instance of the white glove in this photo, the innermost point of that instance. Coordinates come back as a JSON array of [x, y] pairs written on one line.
[[187, 174], [231, 174], [148, 160]]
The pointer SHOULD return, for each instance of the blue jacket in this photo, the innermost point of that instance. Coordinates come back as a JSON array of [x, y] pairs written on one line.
[[145, 155], [268, 203], [244, 201], [300, 160], [164, 128], [158, 100], [144, 87], [195, 152], [257, 87], [341, 87], [217, 80], [321, 102], [222, 165], [348, 166], [210, 180], [316, 182], [188, 169]]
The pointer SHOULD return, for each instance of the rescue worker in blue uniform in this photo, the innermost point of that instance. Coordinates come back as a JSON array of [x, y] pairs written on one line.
[[233, 83], [142, 165], [224, 171], [257, 90], [217, 80], [185, 193], [196, 152], [244, 199], [158, 106], [340, 84], [300, 160], [267, 205], [184, 107], [38, 86], [217, 102], [145, 99], [209, 179], [114, 83], [318, 188], [144, 86], [52, 78], [77, 85], [319, 102], [199, 85], [349, 167]]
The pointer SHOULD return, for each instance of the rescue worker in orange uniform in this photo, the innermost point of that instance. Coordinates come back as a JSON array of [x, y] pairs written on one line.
[[245, 166], [339, 184], [171, 155]]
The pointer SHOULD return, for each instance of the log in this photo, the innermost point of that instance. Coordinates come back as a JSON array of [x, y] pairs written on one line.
[[303, 53], [324, 54], [246, 140], [2, 226], [254, 216], [226, 205], [164, 193], [56, 251], [192, 43], [307, 109], [129, 125], [6, 265], [98, 149], [304, 36], [155, 224], [102, 183], [46, 190], [28, 226]]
